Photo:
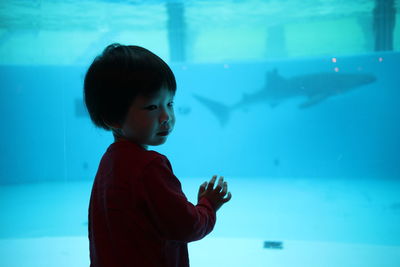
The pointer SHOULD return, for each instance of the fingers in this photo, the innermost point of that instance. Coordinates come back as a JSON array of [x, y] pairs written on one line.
[[224, 189], [211, 183], [220, 184], [202, 188], [227, 198], [221, 189]]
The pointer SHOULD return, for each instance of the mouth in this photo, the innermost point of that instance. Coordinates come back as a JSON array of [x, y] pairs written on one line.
[[164, 133]]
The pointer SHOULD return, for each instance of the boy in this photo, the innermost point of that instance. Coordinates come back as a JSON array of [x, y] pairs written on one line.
[[138, 214]]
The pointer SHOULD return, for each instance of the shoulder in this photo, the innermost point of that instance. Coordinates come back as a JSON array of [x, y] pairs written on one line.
[[157, 159], [134, 155]]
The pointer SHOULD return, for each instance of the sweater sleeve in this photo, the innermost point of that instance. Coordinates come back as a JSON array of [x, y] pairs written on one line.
[[174, 216]]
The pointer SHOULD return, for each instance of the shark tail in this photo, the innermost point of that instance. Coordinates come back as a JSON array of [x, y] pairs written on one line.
[[221, 111]]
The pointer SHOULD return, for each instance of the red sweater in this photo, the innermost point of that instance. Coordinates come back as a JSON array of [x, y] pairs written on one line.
[[138, 214]]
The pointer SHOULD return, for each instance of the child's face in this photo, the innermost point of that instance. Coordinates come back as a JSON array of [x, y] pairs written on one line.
[[150, 119]]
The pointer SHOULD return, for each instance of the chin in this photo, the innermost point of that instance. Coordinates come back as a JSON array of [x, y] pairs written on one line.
[[158, 142]]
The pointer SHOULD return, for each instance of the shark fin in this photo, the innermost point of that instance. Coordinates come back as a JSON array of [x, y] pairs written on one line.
[[221, 111], [313, 100]]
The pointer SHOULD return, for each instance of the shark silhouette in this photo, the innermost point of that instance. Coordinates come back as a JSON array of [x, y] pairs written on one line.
[[315, 87]]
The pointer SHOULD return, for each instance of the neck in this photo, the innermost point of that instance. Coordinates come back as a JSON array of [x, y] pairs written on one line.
[[122, 139]]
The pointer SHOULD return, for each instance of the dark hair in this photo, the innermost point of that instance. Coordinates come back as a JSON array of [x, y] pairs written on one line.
[[117, 76]]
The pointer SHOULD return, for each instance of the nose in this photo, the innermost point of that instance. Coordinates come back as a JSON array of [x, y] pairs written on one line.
[[165, 117]]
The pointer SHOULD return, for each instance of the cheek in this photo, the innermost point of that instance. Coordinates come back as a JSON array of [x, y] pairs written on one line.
[[136, 125], [173, 119], [150, 123]]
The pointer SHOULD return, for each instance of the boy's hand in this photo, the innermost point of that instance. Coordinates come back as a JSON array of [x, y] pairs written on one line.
[[215, 195]]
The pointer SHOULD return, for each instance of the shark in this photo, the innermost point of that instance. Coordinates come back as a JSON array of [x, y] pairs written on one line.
[[314, 87]]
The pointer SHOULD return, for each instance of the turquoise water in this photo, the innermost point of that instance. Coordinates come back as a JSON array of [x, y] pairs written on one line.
[[351, 133], [323, 176], [287, 100], [72, 32]]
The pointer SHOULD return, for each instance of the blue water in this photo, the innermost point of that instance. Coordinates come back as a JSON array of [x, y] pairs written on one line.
[[323, 180], [49, 137], [342, 148]]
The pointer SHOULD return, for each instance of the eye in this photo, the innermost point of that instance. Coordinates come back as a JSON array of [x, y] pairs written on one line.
[[151, 107], [171, 104]]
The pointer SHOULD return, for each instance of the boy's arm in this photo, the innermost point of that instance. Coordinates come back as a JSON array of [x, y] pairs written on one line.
[[176, 218]]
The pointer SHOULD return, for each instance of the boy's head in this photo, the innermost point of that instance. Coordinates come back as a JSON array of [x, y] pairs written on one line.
[[130, 90]]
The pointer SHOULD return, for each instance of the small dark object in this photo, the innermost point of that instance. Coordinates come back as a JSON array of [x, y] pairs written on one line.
[[85, 165], [184, 110], [80, 109], [273, 244]]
